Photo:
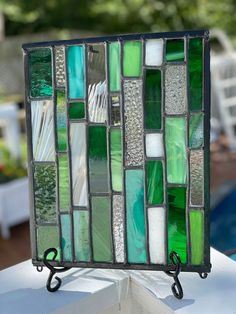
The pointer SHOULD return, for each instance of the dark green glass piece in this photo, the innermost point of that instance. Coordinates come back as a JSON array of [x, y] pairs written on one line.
[[116, 159], [40, 72], [66, 237], [101, 229], [97, 150], [132, 59], [196, 219], [64, 187], [81, 235], [175, 50], [154, 175], [177, 239], [48, 237], [196, 130], [61, 121], [76, 110], [195, 73], [152, 108]]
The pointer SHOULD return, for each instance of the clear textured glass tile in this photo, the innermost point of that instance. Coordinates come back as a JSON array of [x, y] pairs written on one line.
[[81, 235], [154, 52], [154, 145], [118, 227], [196, 177], [175, 89], [42, 123], [66, 237], [133, 112], [60, 66], [115, 110]]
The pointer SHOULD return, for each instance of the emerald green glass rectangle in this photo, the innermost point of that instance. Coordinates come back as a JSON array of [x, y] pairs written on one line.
[[114, 67], [195, 65], [64, 185], [177, 235], [132, 58], [101, 229], [196, 136], [135, 218], [61, 121], [196, 221], [153, 91], [66, 238], [40, 72], [175, 50], [154, 177], [116, 159], [76, 110], [47, 237], [81, 235]]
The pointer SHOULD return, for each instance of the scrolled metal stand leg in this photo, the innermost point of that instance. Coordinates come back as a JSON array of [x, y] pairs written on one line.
[[53, 270], [203, 275], [176, 287]]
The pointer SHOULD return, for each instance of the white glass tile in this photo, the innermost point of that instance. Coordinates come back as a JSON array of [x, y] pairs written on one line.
[[154, 52], [154, 145]]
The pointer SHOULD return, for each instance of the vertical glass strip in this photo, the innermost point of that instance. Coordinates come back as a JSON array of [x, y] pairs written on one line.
[[101, 229], [66, 237], [135, 220], [97, 150], [115, 110], [118, 227], [114, 66], [154, 176], [45, 193], [196, 130], [60, 66], [132, 58], [154, 52], [61, 121], [196, 219], [156, 228], [79, 164], [175, 50], [81, 235], [75, 68], [195, 73], [40, 72], [133, 114], [152, 108], [64, 188], [177, 239], [175, 140], [48, 237], [116, 159], [196, 177], [42, 123]]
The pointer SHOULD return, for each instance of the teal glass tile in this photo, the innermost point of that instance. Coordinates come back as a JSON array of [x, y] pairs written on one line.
[[81, 235], [66, 237]]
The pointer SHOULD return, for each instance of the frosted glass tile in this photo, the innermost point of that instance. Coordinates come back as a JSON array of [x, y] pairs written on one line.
[[175, 89], [60, 66], [154, 145], [196, 177], [154, 52], [118, 227], [78, 163], [156, 228], [42, 123], [66, 237]]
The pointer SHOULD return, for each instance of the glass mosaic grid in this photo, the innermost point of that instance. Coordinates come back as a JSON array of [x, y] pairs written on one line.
[[118, 136]]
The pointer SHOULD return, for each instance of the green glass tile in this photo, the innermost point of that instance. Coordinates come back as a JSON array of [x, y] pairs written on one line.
[[136, 229], [152, 108], [75, 68], [61, 121], [196, 219], [66, 237], [195, 73], [176, 155], [154, 175], [114, 66], [47, 237], [81, 235], [175, 50], [76, 110], [101, 229], [40, 72], [196, 130], [97, 151], [177, 239], [45, 193], [116, 160], [64, 189], [132, 59]]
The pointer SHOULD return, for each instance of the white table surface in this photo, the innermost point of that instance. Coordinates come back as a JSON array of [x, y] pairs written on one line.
[[86, 291]]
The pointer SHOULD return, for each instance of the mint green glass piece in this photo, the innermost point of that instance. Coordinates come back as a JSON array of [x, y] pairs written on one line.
[[64, 188], [136, 229], [177, 239], [196, 219], [48, 237], [61, 121], [132, 58], [81, 235], [116, 160], [175, 50], [154, 175], [101, 229], [76, 110], [66, 237], [114, 67], [176, 154], [40, 72], [75, 68], [196, 130]]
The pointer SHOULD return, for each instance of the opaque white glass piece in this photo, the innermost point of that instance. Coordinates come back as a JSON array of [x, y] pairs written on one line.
[[154, 52], [78, 160], [42, 130], [154, 145], [156, 227]]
